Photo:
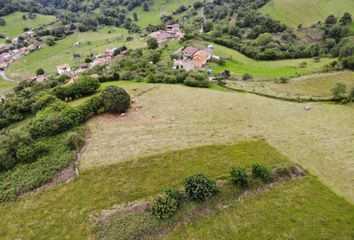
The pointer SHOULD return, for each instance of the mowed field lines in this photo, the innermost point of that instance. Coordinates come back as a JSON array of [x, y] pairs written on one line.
[[62, 52], [306, 12], [240, 64], [15, 24], [321, 140]]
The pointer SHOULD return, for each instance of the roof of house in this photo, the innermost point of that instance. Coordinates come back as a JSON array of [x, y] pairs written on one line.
[[203, 54], [63, 66], [190, 50]]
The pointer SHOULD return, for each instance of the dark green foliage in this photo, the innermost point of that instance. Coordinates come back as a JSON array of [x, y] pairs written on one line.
[[247, 76], [331, 19], [164, 207], [84, 86], [175, 194], [56, 118], [74, 140], [152, 43], [239, 177], [41, 101], [199, 188], [348, 62], [262, 172], [115, 99], [197, 79], [91, 107], [40, 71], [25, 154], [346, 19], [339, 91], [283, 172], [2, 22], [50, 42]]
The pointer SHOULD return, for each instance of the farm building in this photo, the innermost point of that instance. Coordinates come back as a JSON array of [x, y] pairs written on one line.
[[171, 32], [62, 69], [193, 58]]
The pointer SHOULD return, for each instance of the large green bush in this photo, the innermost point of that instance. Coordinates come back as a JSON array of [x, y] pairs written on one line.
[[199, 188], [239, 177], [262, 172], [115, 99], [197, 79], [164, 207], [175, 194]]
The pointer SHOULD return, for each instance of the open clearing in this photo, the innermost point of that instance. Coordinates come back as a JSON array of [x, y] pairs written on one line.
[[158, 9], [321, 140], [317, 85], [306, 12], [15, 24], [239, 64], [65, 211], [5, 86], [62, 52]]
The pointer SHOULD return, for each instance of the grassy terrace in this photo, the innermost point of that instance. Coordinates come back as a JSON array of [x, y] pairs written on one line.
[[15, 24], [161, 120], [157, 9], [64, 211], [317, 85], [302, 209], [6, 86], [62, 52], [306, 12], [239, 64]]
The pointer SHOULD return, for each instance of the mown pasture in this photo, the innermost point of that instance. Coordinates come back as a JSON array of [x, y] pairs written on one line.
[[15, 24], [316, 85], [305, 12], [6, 86]]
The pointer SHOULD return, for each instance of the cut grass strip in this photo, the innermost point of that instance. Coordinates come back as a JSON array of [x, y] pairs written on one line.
[[64, 211]]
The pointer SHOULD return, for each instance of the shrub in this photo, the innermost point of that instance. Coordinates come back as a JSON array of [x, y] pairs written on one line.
[[25, 154], [262, 172], [199, 188], [339, 91], [239, 177], [91, 106], [164, 207], [283, 172], [175, 194], [115, 99], [40, 72], [247, 76], [152, 43], [198, 79], [84, 86], [75, 140]]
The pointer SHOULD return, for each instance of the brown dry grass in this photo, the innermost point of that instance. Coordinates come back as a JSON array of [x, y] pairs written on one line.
[[173, 117]]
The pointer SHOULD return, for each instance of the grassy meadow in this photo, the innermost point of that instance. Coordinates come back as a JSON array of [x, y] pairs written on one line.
[[62, 52], [158, 9], [239, 64], [6, 86], [161, 120], [64, 211], [15, 24], [312, 210], [306, 12], [316, 85]]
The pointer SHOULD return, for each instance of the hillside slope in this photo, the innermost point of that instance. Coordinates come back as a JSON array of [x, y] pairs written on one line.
[[295, 12]]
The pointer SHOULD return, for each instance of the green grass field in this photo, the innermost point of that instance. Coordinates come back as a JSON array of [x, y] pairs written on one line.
[[158, 9], [311, 210], [6, 86], [64, 211], [162, 121], [239, 64], [317, 85], [15, 24], [62, 52], [306, 12]]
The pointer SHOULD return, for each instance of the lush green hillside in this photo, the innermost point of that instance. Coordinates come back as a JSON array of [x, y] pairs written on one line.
[[158, 9], [317, 85], [62, 52], [5, 86], [306, 12], [239, 64], [15, 24]]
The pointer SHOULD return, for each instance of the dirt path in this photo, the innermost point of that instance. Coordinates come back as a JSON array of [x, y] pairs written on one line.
[[6, 78]]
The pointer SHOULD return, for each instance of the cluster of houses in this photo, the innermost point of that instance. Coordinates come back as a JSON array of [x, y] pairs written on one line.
[[194, 58], [9, 53], [171, 32], [99, 60]]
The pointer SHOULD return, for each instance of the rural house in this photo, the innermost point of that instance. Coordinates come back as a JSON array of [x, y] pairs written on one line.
[[171, 32], [62, 69], [193, 58]]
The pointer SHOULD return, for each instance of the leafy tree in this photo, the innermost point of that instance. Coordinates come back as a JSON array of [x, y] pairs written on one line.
[[40, 72], [339, 91], [152, 43], [50, 42], [331, 19], [2, 22], [175, 194], [197, 4], [199, 188], [115, 99], [135, 16], [146, 7], [164, 207], [247, 76], [208, 26], [262, 172], [346, 19], [239, 177]]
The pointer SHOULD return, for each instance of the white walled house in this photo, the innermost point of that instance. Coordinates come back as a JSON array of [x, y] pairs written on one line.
[[62, 69]]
